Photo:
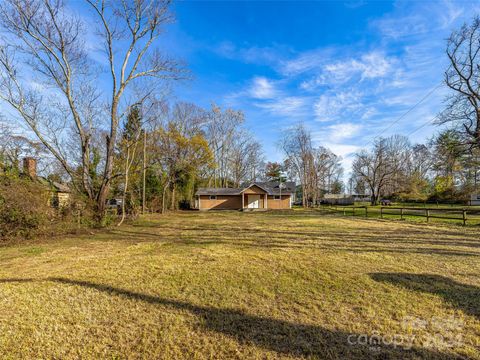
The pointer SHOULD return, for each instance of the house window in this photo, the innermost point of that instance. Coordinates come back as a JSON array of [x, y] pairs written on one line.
[[276, 197], [213, 197]]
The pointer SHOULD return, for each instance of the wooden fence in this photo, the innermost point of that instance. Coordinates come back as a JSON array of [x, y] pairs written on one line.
[[460, 214]]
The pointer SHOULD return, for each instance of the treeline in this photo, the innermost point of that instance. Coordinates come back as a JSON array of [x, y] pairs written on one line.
[[447, 167], [444, 169], [106, 130], [179, 148]]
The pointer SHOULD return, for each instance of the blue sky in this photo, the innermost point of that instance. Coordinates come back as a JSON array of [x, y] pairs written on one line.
[[347, 70]]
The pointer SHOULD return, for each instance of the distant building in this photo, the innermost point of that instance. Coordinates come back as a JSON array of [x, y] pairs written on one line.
[[474, 199], [257, 195], [59, 194], [338, 199]]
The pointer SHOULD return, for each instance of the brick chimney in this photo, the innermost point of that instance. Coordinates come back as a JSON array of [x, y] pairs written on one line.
[[30, 167]]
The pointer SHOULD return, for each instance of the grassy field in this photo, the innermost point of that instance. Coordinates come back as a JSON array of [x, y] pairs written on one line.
[[224, 285]]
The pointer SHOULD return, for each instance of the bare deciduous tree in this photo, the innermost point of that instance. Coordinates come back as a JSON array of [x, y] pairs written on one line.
[[463, 77], [380, 167], [245, 157], [221, 127], [297, 146], [50, 48], [315, 168]]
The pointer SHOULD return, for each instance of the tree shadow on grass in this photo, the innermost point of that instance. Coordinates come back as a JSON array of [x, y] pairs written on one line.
[[462, 296], [284, 337]]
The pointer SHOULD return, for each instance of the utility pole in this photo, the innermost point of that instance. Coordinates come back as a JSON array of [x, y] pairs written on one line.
[[280, 184], [144, 169]]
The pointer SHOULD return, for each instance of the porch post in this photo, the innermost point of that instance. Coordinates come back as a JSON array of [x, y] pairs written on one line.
[[266, 201], [243, 201]]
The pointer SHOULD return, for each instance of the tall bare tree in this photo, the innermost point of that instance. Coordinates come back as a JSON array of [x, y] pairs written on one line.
[[379, 167], [463, 77], [297, 146], [70, 108], [221, 127], [245, 157]]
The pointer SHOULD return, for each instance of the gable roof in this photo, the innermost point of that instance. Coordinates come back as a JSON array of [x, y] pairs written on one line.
[[270, 187], [218, 191], [273, 187], [259, 185]]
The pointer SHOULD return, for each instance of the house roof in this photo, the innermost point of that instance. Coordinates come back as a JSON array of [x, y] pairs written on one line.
[[218, 191], [270, 187], [273, 187], [56, 186]]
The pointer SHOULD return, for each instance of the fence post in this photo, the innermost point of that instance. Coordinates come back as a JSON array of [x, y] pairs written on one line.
[[366, 211], [381, 212], [427, 213], [464, 213], [353, 211], [401, 214]]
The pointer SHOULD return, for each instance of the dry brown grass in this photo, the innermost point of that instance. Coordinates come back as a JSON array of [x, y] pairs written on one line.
[[244, 285]]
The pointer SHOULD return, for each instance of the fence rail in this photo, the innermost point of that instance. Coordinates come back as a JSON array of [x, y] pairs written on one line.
[[462, 214]]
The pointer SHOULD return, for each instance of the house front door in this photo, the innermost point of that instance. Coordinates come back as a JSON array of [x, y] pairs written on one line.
[[253, 201]]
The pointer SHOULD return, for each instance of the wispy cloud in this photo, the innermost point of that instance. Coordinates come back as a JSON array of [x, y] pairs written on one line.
[[291, 106], [341, 132], [263, 88], [250, 54], [331, 106], [349, 93]]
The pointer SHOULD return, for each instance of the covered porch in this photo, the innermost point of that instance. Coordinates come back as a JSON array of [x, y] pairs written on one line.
[[254, 198]]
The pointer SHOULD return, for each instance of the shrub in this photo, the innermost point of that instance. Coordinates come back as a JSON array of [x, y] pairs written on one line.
[[24, 207]]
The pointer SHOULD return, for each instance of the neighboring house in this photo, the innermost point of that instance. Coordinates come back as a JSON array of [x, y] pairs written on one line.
[[257, 195], [59, 194], [474, 199], [338, 199]]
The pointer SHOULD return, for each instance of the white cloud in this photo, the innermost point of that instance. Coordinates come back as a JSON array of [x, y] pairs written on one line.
[[349, 93], [262, 88], [344, 150], [340, 132], [396, 27], [333, 72], [335, 135], [285, 106], [251, 55], [369, 66], [306, 61], [333, 106], [451, 15]]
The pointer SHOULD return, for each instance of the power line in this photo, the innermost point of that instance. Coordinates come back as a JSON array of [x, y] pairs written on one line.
[[407, 112], [423, 125]]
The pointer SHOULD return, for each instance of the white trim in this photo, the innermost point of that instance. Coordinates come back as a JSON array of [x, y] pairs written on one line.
[[249, 186]]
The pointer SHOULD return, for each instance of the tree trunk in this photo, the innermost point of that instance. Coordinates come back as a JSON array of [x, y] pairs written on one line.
[[164, 193], [172, 205], [125, 187]]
